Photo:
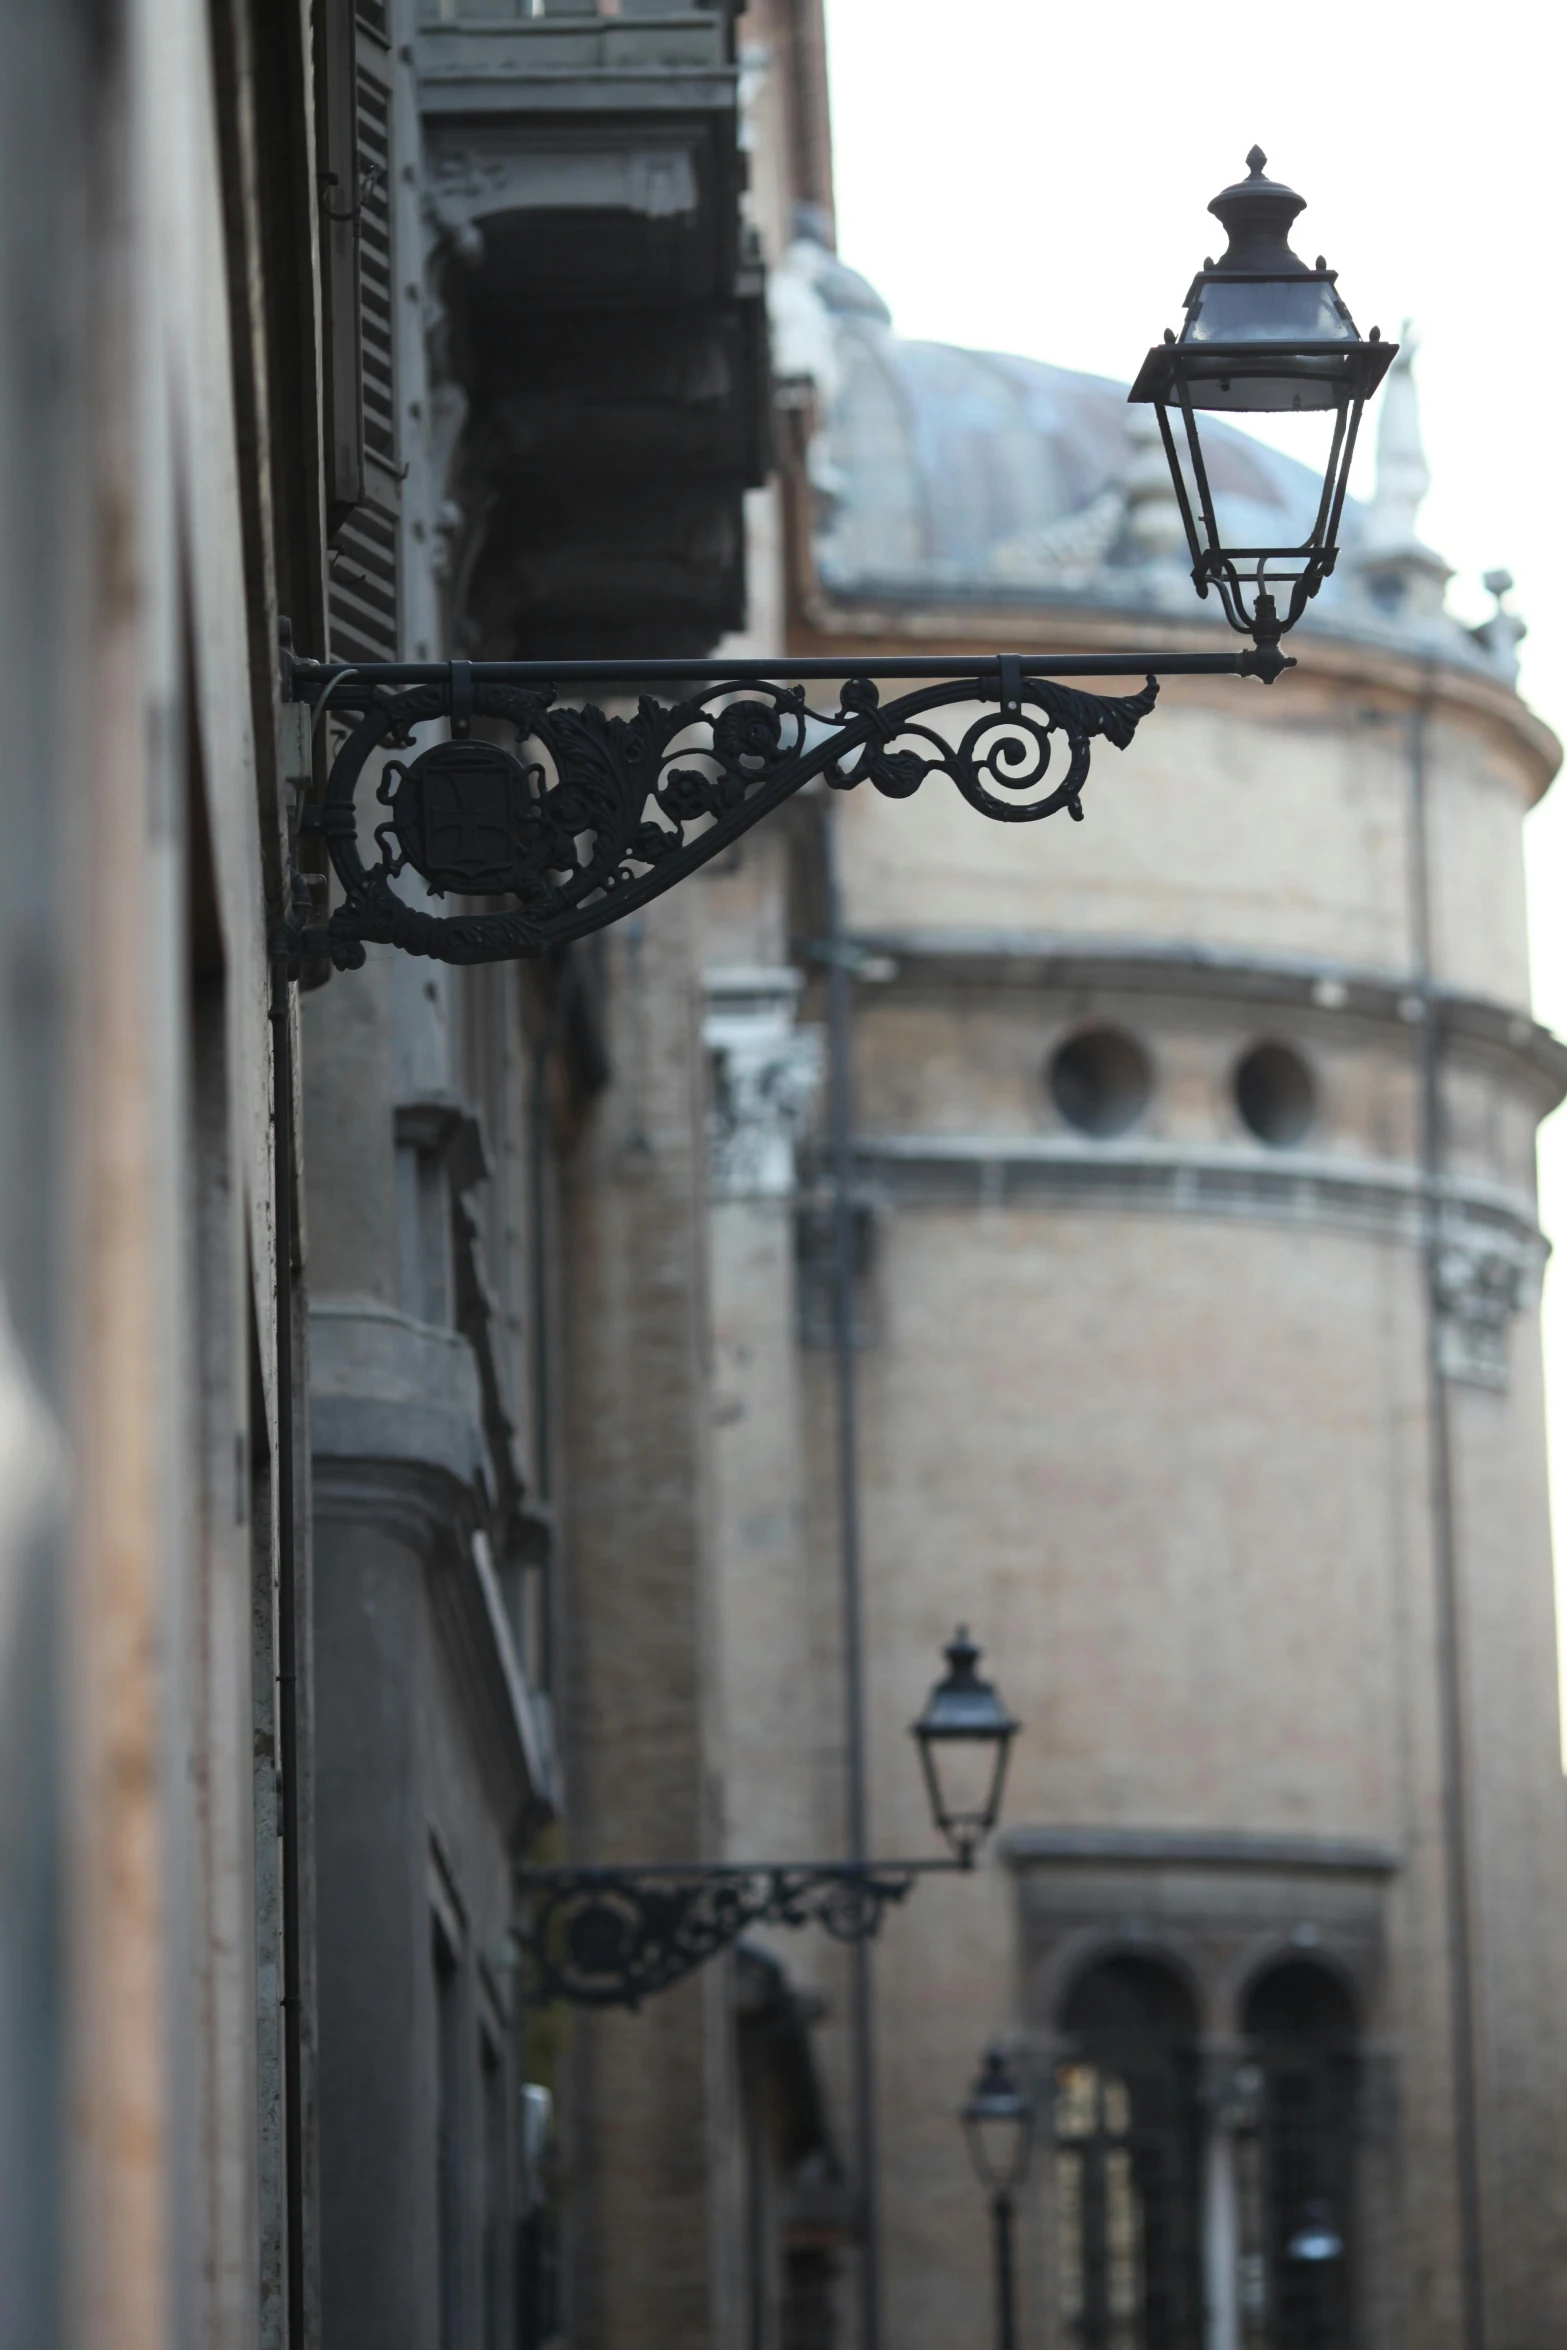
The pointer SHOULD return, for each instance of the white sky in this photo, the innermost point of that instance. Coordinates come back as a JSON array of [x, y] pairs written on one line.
[[1033, 178]]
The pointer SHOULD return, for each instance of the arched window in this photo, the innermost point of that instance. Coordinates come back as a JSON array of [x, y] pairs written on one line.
[[1126, 2162], [1295, 2167]]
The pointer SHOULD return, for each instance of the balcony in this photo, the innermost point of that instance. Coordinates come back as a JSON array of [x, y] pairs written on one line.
[[585, 175]]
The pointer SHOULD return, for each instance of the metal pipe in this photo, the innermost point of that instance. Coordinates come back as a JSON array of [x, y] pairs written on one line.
[[543, 1664], [310, 678], [862, 1986], [1444, 1543], [712, 1871], [288, 1644], [1006, 2309]]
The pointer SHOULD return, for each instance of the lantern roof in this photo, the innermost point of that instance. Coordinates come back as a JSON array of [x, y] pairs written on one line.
[[1256, 214]]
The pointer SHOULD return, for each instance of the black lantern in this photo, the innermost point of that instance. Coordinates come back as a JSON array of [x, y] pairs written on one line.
[[1263, 335], [965, 1735], [998, 2122], [1314, 2236]]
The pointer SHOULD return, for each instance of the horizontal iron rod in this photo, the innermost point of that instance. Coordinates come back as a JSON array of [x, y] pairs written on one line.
[[609, 1873], [310, 676]]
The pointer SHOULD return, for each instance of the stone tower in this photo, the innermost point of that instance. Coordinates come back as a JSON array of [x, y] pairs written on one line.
[[1199, 1371]]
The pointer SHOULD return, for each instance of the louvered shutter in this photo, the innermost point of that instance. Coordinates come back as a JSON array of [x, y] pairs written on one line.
[[362, 389]]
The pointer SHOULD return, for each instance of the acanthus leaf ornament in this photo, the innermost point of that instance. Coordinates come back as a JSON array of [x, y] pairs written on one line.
[[589, 814]]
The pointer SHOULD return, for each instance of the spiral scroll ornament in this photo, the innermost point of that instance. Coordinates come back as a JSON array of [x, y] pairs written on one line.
[[582, 816]]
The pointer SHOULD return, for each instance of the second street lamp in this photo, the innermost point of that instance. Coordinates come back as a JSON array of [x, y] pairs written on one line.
[[998, 2123], [609, 1937], [965, 1735]]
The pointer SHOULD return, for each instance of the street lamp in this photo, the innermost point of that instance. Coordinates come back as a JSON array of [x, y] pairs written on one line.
[[1264, 335], [608, 1937], [998, 2123], [1314, 2237], [965, 1735], [586, 816]]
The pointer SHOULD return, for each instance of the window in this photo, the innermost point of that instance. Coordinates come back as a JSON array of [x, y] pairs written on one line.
[[1274, 1094], [1100, 1081], [1126, 2162], [1295, 2165]]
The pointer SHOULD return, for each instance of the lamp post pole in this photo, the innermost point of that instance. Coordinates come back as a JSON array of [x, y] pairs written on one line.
[[840, 1083], [998, 2122], [1006, 2308]]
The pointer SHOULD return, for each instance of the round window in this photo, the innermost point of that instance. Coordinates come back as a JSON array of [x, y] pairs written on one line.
[[1100, 1080], [1274, 1094]]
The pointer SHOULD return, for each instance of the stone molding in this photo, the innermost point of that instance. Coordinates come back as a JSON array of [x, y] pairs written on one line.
[[397, 1446], [484, 172], [1198, 1848], [574, 65], [1235, 1179], [1219, 1908], [385, 1387]]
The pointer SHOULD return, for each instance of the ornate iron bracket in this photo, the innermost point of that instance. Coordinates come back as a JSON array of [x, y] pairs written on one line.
[[610, 1937], [587, 816]]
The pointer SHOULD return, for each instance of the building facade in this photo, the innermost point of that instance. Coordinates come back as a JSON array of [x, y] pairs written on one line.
[[1198, 1367], [364, 332], [418, 1433]]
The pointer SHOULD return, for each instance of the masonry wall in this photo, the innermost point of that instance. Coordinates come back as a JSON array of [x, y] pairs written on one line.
[[1154, 1415]]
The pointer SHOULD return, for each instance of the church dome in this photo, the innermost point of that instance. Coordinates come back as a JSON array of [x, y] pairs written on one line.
[[949, 477]]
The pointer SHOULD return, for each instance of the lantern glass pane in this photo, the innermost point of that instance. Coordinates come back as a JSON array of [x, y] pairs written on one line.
[[1262, 380], [965, 1770], [998, 2145], [1268, 310]]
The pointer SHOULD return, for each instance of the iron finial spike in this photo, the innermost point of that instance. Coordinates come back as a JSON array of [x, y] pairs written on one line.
[[1256, 163]]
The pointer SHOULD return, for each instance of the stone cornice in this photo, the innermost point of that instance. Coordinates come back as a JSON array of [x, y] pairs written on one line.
[[1237, 1179], [1023, 1848], [1170, 968]]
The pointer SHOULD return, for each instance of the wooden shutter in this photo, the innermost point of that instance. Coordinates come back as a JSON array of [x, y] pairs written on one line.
[[358, 287]]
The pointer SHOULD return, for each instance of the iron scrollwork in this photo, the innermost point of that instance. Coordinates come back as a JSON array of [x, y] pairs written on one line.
[[611, 1937], [588, 815]]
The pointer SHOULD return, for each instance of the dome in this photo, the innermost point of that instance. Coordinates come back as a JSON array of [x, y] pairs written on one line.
[[949, 476]]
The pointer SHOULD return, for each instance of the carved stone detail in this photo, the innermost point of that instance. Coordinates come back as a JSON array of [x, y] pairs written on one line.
[[1482, 1275], [765, 1072]]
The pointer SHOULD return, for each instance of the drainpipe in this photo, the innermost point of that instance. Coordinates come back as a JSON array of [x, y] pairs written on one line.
[[543, 1665], [1455, 1804], [288, 1645], [862, 1986]]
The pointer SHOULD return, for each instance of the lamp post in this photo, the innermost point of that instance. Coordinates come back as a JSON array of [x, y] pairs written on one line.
[[965, 1736], [1314, 2238], [589, 816], [998, 2123], [609, 1937]]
